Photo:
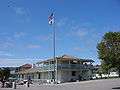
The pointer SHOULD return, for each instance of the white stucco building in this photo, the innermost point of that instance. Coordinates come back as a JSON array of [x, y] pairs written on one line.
[[69, 68]]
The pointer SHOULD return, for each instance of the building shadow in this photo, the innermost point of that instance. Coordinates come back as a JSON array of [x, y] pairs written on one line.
[[116, 88]]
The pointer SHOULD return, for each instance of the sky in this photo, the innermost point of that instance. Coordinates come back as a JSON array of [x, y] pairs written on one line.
[[26, 36]]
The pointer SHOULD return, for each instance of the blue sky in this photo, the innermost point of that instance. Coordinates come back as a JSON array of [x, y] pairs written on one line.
[[26, 37]]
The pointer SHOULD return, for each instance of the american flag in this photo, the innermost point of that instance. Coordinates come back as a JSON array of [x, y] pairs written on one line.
[[51, 19]]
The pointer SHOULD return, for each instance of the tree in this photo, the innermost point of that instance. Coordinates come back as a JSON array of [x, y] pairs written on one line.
[[4, 75], [109, 51], [99, 72]]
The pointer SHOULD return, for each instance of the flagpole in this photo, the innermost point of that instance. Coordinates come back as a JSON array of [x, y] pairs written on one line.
[[54, 49], [52, 17], [55, 59]]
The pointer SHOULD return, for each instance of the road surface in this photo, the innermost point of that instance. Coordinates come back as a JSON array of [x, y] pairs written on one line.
[[107, 84]]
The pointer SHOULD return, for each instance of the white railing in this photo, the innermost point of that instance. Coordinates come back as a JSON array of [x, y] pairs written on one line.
[[65, 66]]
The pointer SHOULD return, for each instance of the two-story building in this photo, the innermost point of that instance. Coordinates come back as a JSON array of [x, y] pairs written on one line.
[[67, 68]]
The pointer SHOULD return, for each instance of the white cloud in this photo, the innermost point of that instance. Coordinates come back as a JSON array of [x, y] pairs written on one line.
[[20, 10], [5, 45], [77, 49], [5, 54], [78, 31], [81, 29], [8, 41], [114, 28], [81, 33], [6, 62], [33, 46], [44, 37], [19, 34], [23, 14], [62, 22]]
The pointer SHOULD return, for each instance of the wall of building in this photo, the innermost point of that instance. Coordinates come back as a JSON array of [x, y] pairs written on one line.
[[67, 76], [59, 76], [44, 75], [63, 75]]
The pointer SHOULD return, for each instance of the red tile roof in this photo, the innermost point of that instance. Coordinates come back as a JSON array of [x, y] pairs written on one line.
[[26, 66]]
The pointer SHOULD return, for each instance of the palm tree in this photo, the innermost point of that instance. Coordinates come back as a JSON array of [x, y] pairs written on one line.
[[4, 75]]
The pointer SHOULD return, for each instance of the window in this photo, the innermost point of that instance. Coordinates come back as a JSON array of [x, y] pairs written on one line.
[[39, 76], [22, 76], [73, 73], [53, 75]]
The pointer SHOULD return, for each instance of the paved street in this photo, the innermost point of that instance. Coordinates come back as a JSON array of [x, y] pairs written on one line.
[[111, 84]]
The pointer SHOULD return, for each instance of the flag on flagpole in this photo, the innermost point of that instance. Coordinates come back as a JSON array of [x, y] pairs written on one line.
[[51, 19]]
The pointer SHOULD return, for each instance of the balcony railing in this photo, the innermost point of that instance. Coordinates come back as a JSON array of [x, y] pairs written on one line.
[[65, 66], [74, 66]]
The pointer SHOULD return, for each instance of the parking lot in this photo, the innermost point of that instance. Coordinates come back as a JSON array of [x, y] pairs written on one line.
[[107, 84]]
